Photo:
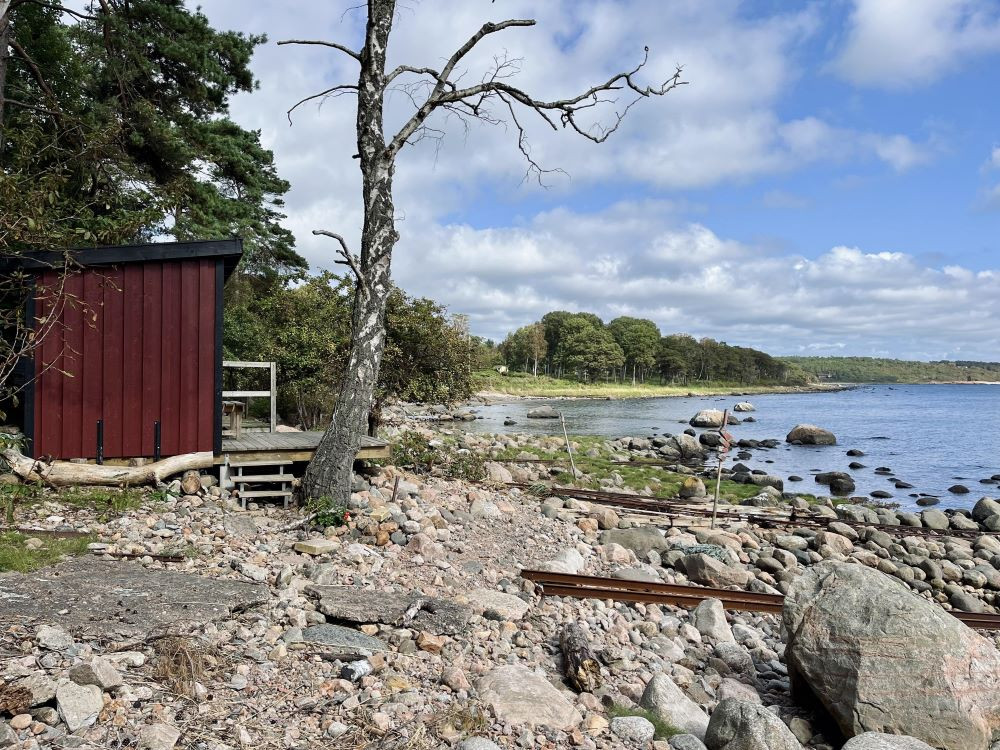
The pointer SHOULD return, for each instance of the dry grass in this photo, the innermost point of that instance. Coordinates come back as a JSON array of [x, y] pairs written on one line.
[[179, 662], [423, 733]]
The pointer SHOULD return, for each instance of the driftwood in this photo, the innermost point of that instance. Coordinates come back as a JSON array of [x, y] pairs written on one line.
[[579, 663], [67, 474]]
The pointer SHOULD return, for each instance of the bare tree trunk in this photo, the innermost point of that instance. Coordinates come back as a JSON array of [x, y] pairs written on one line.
[[580, 666], [329, 473], [4, 56]]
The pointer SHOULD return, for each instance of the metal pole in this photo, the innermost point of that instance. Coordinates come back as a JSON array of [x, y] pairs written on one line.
[[569, 447], [100, 441], [156, 440], [274, 396], [722, 457]]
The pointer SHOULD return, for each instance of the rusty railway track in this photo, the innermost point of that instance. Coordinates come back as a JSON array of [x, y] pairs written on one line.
[[595, 587], [675, 507]]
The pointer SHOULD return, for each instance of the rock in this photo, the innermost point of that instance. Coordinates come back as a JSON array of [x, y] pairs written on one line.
[[8, 737], [98, 672], [53, 638], [158, 737], [497, 472], [708, 571], [669, 703], [985, 508], [344, 640], [686, 742], [633, 729], [482, 508], [709, 617], [879, 741], [642, 540], [567, 561], [747, 726], [504, 606], [318, 546], [861, 641], [934, 519], [79, 705], [693, 487], [477, 743], [744, 406], [520, 696], [730, 688], [839, 482], [810, 434], [707, 418], [606, 518], [543, 412], [352, 604], [958, 489]]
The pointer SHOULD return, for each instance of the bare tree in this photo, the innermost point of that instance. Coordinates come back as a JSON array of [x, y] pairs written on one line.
[[431, 90]]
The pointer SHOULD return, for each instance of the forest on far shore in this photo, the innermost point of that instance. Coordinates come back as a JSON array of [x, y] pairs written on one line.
[[878, 370]]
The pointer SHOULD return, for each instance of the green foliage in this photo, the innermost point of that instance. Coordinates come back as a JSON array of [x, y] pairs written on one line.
[[639, 340], [412, 450], [328, 513], [16, 556], [878, 370], [663, 730], [304, 324], [121, 133]]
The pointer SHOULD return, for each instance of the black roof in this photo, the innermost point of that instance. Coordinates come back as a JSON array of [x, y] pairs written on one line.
[[111, 255]]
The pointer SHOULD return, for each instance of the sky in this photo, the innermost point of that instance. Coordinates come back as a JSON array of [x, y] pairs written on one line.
[[827, 182]]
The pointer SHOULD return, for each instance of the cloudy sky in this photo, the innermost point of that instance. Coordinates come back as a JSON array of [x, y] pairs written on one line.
[[827, 183]]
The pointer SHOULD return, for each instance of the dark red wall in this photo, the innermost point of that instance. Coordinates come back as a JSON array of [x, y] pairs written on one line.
[[137, 344]]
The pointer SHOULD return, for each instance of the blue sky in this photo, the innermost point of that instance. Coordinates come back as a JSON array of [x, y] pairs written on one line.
[[826, 183]]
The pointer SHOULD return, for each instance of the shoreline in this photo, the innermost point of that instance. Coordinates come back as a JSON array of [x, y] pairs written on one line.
[[494, 396]]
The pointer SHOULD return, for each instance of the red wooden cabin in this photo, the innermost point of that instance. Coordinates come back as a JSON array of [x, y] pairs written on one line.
[[135, 366]]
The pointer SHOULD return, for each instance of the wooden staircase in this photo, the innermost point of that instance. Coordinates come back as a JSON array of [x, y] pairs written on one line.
[[258, 479]]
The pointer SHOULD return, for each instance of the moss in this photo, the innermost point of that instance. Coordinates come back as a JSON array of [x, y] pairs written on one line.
[[663, 730], [16, 556]]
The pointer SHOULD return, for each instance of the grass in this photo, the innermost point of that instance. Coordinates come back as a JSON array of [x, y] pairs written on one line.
[[663, 730], [16, 556], [107, 501], [519, 384]]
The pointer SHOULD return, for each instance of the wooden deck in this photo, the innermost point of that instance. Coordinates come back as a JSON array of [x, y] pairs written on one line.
[[289, 446]]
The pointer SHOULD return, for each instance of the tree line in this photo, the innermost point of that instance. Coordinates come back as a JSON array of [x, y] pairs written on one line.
[[882, 370], [582, 346]]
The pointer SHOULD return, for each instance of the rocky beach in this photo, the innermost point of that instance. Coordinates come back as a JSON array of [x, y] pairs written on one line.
[[405, 623]]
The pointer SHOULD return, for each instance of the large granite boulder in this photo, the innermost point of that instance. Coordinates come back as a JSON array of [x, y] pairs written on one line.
[[736, 725], [543, 412], [669, 704], [642, 540], [810, 434], [879, 741], [707, 418], [881, 659]]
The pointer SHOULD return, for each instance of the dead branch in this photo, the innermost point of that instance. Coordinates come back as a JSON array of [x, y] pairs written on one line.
[[346, 50], [348, 259], [67, 474], [332, 91], [579, 663]]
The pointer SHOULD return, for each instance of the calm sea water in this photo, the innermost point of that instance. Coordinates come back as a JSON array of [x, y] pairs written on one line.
[[931, 436]]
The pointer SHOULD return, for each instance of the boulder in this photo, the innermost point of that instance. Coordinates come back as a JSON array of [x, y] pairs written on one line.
[[881, 659], [543, 412], [709, 618], [685, 742], [693, 487], [707, 418], [642, 540], [879, 741], [497, 472], [710, 572], [985, 508], [810, 434], [520, 696], [736, 725], [838, 482], [669, 704], [79, 705], [744, 406], [634, 730]]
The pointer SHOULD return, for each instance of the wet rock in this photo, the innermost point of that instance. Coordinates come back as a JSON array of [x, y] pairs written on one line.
[[809, 434], [707, 418], [958, 489], [543, 412], [744, 406]]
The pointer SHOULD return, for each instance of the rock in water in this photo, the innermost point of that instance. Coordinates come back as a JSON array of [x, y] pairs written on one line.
[[707, 418], [881, 659], [520, 696], [744, 406], [543, 412], [810, 434], [736, 725], [879, 741]]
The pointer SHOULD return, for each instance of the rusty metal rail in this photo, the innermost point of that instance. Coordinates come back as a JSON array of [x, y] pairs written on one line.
[[595, 587], [676, 507]]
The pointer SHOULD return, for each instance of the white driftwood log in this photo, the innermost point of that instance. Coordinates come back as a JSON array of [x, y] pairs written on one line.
[[67, 474]]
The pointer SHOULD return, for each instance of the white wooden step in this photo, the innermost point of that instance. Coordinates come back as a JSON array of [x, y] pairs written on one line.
[[247, 478], [266, 493], [236, 464]]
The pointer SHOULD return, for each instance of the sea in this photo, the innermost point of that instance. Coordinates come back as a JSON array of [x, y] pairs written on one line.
[[931, 436]]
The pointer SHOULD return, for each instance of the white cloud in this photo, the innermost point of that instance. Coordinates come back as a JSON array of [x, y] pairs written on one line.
[[903, 43], [687, 278]]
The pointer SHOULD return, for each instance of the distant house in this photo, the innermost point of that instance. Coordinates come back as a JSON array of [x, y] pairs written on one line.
[[135, 366]]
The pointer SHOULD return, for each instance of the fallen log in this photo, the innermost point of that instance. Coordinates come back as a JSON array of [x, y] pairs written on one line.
[[579, 663], [67, 474]]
